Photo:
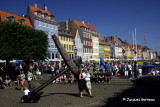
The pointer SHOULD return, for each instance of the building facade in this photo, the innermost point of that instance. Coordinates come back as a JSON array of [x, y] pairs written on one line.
[[66, 40], [41, 19], [77, 42]]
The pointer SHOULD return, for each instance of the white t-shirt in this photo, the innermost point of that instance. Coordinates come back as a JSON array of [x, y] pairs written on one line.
[[130, 67], [26, 92], [86, 76]]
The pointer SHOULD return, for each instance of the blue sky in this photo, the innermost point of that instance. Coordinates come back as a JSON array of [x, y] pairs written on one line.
[[109, 17]]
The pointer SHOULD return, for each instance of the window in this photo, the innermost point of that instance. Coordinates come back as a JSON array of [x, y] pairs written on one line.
[[46, 16], [51, 26], [39, 23], [69, 47], [84, 42], [44, 24], [52, 18], [52, 55], [39, 14], [55, 27], [52, 45], [66, 38], [69, 39], [21, 21], [47, 25], [61, 37], [64, 46], [86, 35], [72, 47], [11, 18]]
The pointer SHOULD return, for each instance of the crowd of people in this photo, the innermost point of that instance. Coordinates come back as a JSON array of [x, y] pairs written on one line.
[[88, 73]]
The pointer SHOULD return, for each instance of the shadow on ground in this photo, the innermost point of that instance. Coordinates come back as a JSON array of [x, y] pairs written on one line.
[[138, 95]]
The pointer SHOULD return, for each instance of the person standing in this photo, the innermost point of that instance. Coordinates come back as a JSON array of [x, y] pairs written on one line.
[[129, 70], [87, 76], [29, 78], [81, 82]]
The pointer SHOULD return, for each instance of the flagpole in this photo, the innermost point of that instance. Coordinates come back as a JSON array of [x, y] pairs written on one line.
[[136, 43], [133, 45]]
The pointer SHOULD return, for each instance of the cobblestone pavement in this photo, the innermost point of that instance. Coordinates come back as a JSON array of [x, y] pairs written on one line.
[[65, 95]]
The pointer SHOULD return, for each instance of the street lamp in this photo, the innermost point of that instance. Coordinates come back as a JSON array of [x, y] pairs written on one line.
[[75, 51]]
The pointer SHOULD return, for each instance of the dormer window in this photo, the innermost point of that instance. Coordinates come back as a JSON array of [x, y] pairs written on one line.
[[52, 18], [21, 21], [35, 13], [11, 18], [39, 13], [45, 15]]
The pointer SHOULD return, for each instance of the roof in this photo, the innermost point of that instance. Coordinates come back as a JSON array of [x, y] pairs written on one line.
[[113, 41], [87, 25], [102, 39], [79, 23], [60, 33], [34, 9], [74, 32], [3, 16]]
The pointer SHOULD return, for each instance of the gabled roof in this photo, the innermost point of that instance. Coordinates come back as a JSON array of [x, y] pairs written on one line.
[[102, 39], [34, 9], [74, 32], [79, 23], [3, 16], [113, 41], [89, 26]]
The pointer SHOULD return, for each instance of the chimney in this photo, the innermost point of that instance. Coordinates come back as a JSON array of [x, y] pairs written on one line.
[[45, 7], [69, 19], [66, 25], [83, 22], [35, 5], [23, 15]]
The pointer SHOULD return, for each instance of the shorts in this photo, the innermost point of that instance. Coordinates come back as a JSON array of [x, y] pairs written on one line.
[[88, 85]]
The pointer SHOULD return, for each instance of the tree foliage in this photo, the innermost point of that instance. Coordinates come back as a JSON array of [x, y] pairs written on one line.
[[19, 41]]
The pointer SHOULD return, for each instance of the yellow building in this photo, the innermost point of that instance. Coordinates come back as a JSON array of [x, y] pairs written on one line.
[[66, 40], [106, 51], [128, 50]]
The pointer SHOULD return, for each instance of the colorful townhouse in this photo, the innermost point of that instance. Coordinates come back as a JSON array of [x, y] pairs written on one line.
[[42, 19], [106, 51], [101, 47], [66, 39], [95, 41], [5, 16], [77, 42], [85, 36], [115, 47]]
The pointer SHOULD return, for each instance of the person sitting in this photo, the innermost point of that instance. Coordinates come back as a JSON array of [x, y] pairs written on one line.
[[107, 77], [18, 79], [95, 77], [7, 81], [101, 77], [2, 86]]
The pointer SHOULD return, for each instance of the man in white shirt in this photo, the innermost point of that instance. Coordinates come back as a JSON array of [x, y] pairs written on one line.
[[87, 77]]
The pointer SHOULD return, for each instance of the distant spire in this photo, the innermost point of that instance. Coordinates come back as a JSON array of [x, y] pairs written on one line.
[[45, 7]]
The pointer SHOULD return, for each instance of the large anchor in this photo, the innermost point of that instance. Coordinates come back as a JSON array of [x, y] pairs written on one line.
[[35, 94]]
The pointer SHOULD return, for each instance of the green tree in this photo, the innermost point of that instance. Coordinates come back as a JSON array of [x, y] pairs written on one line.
[[21, 42]]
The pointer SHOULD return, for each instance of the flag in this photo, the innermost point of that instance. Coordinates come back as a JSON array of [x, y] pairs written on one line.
[[123, 51], [101, 62]]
